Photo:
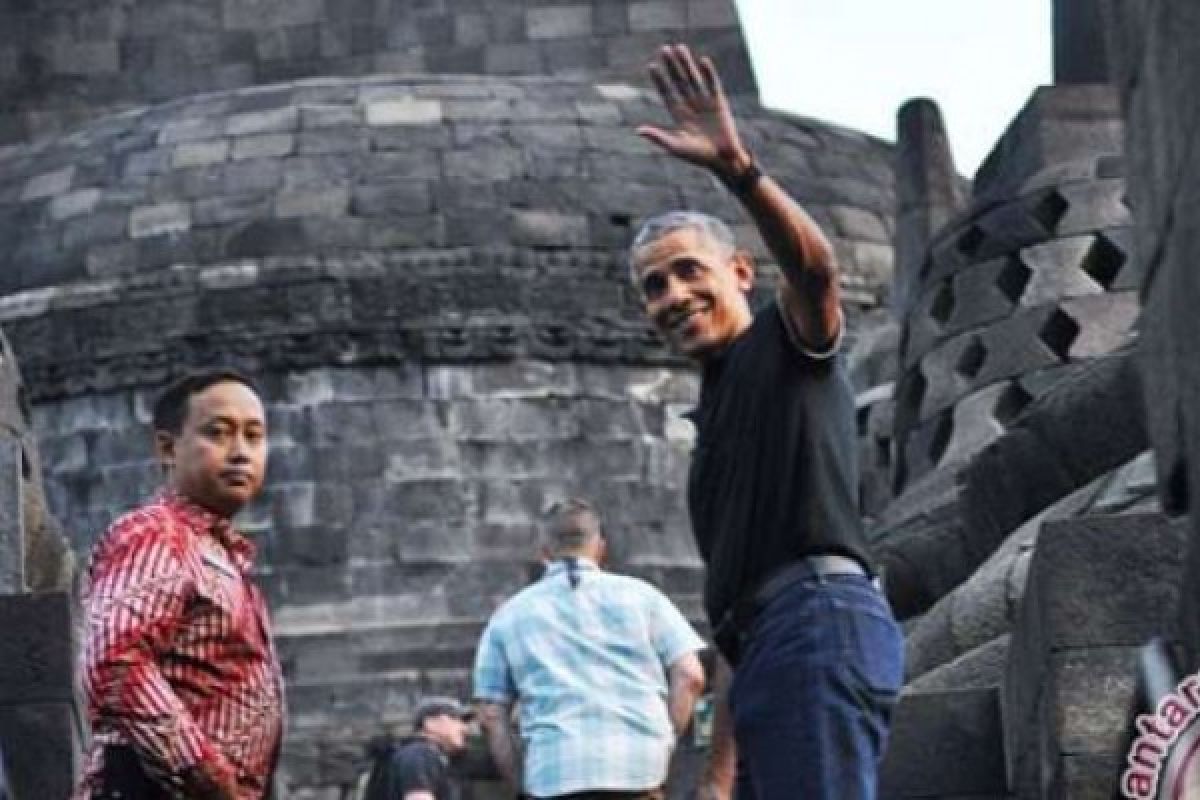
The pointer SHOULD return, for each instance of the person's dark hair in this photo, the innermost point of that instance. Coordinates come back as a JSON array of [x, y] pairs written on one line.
[[170, 410]]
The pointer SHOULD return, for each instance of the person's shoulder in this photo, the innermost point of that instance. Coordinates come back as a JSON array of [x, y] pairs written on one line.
[[146, 525], [416, 751], [631, 586], [517, 605]]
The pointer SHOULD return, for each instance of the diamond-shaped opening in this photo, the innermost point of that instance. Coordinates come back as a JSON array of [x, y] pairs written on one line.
[[941, 437], [1059, 332], [971, 359], [943, 304], [1049, 209], [1011, 403], [971, 240], [1109, 167], [1013, 279], [913, 392], [883, 451], [1103, 261], [1176, 496], [926, 266], [899, 474]]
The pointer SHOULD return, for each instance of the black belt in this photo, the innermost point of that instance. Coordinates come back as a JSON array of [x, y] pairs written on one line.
[[735, 625]]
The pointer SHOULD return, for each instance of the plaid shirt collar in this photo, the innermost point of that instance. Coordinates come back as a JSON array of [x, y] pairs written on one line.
[[203, 521]]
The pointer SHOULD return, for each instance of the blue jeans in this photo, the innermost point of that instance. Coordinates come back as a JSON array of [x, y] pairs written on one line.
[[812, 694]]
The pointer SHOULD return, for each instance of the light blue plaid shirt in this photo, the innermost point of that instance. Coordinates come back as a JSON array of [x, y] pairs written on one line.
[[589, 667]]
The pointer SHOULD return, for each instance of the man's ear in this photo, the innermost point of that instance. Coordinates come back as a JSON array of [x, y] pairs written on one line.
[[164, 448], [742, 264]]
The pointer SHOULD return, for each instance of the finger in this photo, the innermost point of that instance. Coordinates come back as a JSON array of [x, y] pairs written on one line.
[[712, 79], [678, 73], [691, 71], [666, 91], [658, 136]]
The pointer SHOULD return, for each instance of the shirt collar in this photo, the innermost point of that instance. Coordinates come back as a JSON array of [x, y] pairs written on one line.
[[559, 566], [203, 521]]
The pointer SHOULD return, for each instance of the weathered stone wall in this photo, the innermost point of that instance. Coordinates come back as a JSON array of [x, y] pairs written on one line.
[[65, 61], [401, 508], [1034, 277], [429, 275], [1157, 57]]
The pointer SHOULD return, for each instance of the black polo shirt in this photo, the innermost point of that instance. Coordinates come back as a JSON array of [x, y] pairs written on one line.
[[414, 764], [774, 474]]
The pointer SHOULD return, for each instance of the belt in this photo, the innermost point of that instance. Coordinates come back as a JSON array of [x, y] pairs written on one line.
[[820, 566], [736, 623]]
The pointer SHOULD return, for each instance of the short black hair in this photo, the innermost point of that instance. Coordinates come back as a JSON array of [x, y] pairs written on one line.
[[170, 410]]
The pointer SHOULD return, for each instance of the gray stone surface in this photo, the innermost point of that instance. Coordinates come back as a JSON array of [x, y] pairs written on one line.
[[945, 744], [63, 75], [1080, 43], [12, 529], [928, 194], [1163, 120], [1098, 588]]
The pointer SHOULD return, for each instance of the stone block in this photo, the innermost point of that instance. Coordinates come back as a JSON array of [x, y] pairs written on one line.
[[48, 184], [558, 21], [1062, 441], [269, 14], [12, 533], [42, 744], [1098, 588], [273, 120], [404, 111], [37, 656], [657, 15], [945, 744], [72, 204], [402, 198], [84, 58], [264, 145], [157, 220], [332, 201], [200, 154], [512, 58]]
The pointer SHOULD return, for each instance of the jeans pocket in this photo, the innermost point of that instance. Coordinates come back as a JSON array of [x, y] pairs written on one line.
[[872, 643]]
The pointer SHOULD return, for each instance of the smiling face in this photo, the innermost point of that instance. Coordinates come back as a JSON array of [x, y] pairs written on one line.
[[219, 456], [694, 290]]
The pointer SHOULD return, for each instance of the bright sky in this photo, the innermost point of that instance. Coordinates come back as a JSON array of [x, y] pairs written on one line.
[[854, 62]]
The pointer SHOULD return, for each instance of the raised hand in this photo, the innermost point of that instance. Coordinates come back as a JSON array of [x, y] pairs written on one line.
[[706, 133]]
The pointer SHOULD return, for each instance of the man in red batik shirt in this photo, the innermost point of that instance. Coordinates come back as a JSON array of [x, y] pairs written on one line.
[[184, 692]]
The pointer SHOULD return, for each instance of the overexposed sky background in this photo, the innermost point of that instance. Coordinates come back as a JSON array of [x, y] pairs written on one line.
[[854, 62]]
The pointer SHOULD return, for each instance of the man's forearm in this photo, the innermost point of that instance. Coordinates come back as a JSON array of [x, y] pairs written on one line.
[[722, 759], [803, 252], [501, 744], [685, 683]]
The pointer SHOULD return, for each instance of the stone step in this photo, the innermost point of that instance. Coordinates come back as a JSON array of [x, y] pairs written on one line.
[[1099, 587], [945, 744]]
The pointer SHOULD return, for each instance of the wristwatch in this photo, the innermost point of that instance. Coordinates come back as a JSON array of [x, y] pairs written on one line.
[[743, 182]]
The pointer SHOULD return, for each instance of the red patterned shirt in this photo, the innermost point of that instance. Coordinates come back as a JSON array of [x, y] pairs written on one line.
[[178, 662]]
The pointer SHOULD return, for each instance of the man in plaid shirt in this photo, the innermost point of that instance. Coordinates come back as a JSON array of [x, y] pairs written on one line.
[[603, 666], [183, 686]]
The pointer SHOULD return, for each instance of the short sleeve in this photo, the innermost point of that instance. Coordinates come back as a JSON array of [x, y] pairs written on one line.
[[672, 635], [798, 343], [492, 676], [416, 767]]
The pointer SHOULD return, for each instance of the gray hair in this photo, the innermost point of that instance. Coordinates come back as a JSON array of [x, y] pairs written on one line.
[[660, 225], [568, 528]]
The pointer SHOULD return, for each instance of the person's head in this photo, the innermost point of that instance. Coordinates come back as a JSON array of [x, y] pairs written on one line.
[[692, 281], [210, 434], [574, 529], [445, 722]]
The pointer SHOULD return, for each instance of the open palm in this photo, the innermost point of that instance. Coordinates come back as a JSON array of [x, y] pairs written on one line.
[[706, 133]]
